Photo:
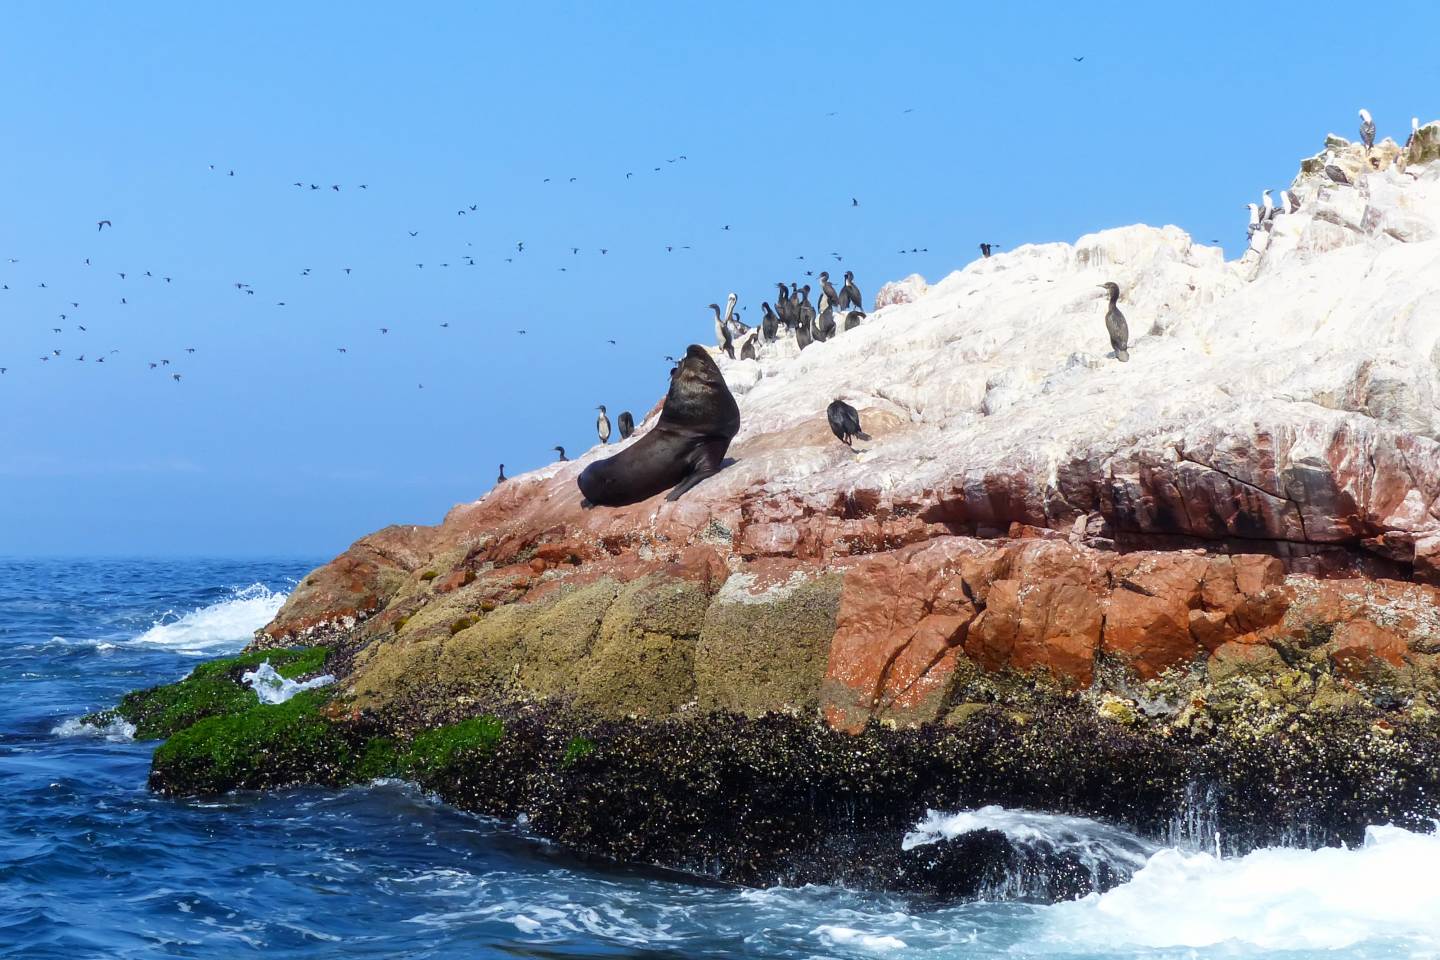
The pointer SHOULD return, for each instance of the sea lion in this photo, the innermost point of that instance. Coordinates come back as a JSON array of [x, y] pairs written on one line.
[[686, 445]]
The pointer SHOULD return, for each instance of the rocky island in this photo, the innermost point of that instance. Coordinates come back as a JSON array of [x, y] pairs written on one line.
[[1194, 592]]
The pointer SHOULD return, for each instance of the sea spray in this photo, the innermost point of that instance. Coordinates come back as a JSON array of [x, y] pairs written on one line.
[[226, 624], [1274, 898], [270, 687]]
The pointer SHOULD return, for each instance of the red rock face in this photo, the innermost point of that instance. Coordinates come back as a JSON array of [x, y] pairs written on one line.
[[1007, 570]]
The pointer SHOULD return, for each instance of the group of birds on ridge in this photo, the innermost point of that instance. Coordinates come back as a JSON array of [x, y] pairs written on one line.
[[1263, 214], [794, 312]]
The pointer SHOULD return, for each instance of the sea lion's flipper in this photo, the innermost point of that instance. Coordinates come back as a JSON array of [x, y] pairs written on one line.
[[684, 485]]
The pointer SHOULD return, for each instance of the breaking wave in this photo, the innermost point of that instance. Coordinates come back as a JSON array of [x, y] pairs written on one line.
[[228, 623], [1275, 899]]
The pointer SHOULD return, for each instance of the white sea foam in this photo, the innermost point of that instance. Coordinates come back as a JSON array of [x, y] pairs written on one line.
[[228, 623], [1277, 898], [116, 731], [1088, 839], [270, 687], [833, 936]]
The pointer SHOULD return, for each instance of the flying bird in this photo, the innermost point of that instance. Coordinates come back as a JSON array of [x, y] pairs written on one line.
[[1077, 59], [103, 224]]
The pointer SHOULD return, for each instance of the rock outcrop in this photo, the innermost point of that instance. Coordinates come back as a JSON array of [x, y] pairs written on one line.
[[1258, 484]]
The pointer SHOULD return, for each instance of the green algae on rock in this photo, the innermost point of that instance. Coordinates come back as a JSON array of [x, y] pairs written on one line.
[[211, 689]]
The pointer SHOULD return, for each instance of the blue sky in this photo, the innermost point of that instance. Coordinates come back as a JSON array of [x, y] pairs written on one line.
[[276, 443]]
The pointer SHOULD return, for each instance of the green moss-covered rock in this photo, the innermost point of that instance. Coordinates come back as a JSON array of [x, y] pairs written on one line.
[[468, 741], [212, 689], [265, 746]]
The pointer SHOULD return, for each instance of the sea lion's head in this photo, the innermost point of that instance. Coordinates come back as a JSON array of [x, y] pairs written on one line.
[[699, 400]]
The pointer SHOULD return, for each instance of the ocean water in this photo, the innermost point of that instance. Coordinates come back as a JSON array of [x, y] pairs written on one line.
[[92, 865]]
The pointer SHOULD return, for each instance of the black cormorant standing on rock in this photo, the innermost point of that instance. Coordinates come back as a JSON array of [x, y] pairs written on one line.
[[850, 294], [806, 316], [852, 319], [500, 479], [828, 296], [782, 306], [626, 423], [769, 324], [561, 451], [844, 422], [602, 425], [1115, 323], [1367, 131], [802, 335], [985, 250], [747, 349], [825, 324]]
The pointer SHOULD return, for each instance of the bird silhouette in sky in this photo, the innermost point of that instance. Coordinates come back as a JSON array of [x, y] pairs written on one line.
[[103, 224]]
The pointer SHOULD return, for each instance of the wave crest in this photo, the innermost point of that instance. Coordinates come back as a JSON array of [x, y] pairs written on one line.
[[227, 623]]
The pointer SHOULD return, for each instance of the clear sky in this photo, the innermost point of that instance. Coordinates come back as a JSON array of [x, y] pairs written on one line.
[[950, 123]]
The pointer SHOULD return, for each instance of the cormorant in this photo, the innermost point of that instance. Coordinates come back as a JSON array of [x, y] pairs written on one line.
[[1115, 323], [806, 315], [769, 324], [747, 349], [828, 296], [1367, 131], [802, 335], [852, 319], [850, 294], [844, 422], [626, 423], [825, 324], [782, 305], [500, 479], [985, 250], [602, 425], [561, 451]]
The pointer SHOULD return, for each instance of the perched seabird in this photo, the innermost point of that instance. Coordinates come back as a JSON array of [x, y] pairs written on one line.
[[1337, 175], [825, 324], [806, 316], [852, 319], [747, 349], [602, 425], [561, 451], [985, 250], [1414, 132], [828, 296], [1267, 204], [769, 323], [500, 479], [782, 305], [850, 294], [723, 337], [1289, 203], [844, 422], [802, 335], [1254, 220], [1367, 131], [626, 423], [1115, 323]]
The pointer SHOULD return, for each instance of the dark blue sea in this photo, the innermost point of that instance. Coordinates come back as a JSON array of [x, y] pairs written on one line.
[[92, 865]]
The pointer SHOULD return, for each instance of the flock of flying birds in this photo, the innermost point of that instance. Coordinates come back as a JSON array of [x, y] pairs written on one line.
[[67, 315]]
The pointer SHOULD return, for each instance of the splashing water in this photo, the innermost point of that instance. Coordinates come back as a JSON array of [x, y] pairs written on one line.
[[1276, 898], [270, 687], [228, 624], [116, 731]]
